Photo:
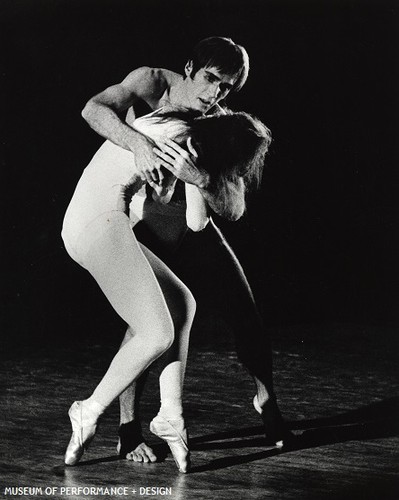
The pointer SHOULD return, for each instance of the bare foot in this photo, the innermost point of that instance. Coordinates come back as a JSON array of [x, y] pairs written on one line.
[[131, 443], [142, 453]]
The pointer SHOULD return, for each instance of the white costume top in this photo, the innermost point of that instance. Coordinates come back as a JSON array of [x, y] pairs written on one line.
[[101, 187]]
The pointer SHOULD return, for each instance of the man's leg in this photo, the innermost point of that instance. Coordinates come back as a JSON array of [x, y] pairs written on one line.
[[131, 444], [215, 276]]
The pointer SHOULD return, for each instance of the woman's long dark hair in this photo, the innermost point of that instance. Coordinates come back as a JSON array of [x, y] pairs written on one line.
[[230, 146]]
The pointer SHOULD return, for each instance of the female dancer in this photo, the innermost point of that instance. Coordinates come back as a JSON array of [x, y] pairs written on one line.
[[156, 305]]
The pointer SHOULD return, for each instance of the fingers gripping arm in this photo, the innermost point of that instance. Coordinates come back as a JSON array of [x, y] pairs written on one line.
[[226, 200], [182, 164]]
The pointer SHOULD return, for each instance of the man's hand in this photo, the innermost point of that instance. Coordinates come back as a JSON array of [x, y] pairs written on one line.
[[227, 200], [181, 163], [146, 161]]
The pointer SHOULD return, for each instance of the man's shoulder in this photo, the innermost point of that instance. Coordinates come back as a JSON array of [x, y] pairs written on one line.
[[165, 75], [152, 80]]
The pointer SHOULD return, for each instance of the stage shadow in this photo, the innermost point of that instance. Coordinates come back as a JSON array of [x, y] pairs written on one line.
[[379, 411], [378, 420], [160, 450]]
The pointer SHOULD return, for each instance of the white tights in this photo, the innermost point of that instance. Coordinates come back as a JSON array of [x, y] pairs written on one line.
[[156, 305]]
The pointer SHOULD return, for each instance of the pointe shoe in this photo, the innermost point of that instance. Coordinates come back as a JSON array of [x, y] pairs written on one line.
[[276, 431], [82, 434], [175, 435]]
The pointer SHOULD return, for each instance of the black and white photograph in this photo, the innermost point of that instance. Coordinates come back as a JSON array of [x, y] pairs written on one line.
[[200, 248]]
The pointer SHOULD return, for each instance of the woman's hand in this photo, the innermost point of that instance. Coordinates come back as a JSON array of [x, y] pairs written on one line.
[[181, 163], [164, 192]]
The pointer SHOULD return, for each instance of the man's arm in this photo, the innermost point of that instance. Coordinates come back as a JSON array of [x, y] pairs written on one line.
[[104, 111], [227, 201]]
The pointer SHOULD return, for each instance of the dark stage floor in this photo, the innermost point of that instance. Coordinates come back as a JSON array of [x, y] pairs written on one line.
[[338, 388]]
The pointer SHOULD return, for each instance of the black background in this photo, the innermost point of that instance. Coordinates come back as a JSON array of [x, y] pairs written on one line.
[[320, 240]]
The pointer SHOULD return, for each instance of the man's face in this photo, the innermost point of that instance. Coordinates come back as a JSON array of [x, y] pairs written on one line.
[[207, 87]]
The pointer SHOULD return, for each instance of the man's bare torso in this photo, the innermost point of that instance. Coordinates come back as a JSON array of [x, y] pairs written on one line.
[[162, 92]]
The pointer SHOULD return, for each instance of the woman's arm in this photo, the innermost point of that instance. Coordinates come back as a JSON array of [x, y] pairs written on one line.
[[227, 200], [197, 213], [163, 193]]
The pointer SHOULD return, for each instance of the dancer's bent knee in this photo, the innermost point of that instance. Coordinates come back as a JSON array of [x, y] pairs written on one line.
[[185, 308], [156, 343], [163, 344]]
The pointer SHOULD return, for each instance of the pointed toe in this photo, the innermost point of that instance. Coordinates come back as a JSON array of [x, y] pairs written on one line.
[[83, 432], [174, 433]]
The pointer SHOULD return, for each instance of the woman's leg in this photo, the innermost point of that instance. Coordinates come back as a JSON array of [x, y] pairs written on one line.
[[169, 423], [127, 279], [172, 363], [124, 274]]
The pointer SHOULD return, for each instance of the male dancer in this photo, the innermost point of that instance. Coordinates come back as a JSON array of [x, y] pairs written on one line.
[[216, 67]]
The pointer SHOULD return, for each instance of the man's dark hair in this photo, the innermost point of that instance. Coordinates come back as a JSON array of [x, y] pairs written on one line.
[[224, 55]]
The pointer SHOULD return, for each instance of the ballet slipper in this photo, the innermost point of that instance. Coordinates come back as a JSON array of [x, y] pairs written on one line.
[[276, 431], [83, 431], [174, 433]]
